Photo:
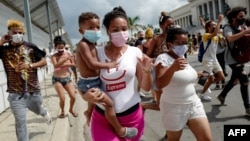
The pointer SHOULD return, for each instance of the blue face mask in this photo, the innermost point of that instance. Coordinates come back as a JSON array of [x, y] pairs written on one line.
[[180, 50], [92, 35]]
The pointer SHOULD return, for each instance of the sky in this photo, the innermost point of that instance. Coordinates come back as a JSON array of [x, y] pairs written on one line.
[[149, 12]]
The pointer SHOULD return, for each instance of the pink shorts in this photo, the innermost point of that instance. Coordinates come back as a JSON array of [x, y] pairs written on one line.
[[102, 130]]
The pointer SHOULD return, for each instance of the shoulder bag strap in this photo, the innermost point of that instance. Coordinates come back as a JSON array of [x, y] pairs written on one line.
[[209, 41]]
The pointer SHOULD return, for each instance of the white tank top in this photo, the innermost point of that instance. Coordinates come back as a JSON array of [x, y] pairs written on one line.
[[119, 83]]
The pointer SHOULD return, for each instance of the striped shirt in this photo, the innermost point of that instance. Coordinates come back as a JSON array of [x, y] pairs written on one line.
[[11, 56]]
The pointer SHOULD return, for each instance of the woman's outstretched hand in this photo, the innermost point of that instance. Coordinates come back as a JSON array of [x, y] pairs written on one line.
[[146, 62]]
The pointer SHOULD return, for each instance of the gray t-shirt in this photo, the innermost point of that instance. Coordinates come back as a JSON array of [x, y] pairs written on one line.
[[220, 47], [228, 30]]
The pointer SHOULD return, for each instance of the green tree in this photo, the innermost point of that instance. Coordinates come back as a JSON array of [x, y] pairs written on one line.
[[155, 29], [133, 25], [147, 26]]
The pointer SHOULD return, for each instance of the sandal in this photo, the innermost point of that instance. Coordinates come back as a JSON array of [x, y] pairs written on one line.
[[62, 115], [74, 114]]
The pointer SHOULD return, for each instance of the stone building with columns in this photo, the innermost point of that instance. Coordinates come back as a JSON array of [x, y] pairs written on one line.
[[187, 16]]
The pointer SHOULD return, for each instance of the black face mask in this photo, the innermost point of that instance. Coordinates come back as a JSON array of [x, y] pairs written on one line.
[[141, 38], [240, 21]]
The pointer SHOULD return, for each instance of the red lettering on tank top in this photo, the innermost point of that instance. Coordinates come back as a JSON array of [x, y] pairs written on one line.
[[115, 87]]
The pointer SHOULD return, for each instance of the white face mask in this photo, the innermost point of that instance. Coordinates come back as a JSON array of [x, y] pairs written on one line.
[[60, 50], [180, 50], [17, 38]]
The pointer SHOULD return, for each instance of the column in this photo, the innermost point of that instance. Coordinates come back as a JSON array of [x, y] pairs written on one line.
[[184, 22], [49, 23], [27, 19], [208, 11], [203, 10], [220, 10], [215, 16]]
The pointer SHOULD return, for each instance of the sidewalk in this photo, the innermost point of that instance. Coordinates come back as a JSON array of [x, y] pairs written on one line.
[[67, 129]]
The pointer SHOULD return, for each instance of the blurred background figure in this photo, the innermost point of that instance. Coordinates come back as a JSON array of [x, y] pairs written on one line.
[[140, 38], [73, 55]]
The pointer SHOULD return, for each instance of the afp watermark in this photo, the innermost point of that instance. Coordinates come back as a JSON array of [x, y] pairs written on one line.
[[237, 132]]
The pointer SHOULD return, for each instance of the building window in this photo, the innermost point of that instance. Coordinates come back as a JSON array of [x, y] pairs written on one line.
[[211, 9], [216, 3], [200, 10]]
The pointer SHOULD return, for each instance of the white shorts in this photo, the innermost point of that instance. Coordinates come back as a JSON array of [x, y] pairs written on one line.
[[211, 67], [176, 116]]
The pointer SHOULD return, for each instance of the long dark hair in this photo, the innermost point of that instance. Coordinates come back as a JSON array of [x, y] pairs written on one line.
[[234, 12]]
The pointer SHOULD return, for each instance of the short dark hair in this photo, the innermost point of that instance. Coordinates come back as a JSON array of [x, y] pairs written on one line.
[[115, 13], [87, 16], [234, 12], [58, 40], [172, 32]]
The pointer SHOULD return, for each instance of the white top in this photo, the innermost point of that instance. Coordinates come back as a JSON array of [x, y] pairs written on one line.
[[180, 89], [119, 83], [210, 54]]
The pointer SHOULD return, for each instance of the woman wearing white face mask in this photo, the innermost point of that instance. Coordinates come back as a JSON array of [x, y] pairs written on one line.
[[179, 103], [62, 62], [119, 82]]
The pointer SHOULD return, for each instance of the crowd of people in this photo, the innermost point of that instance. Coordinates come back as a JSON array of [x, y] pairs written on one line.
[[108, 74]]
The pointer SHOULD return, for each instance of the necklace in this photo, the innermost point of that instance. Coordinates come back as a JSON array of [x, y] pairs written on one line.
[[114, 56]]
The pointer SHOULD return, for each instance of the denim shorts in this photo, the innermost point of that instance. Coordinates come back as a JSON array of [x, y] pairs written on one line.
[[63, 81], [84, 84]]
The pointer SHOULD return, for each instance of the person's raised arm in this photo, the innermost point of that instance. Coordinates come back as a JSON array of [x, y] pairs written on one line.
[[70, 63], [58, 63], [33, 65], [217, 28], [4, 39], [165, 74], [234, 37], [143, 72], [202, 21], [151, 47]]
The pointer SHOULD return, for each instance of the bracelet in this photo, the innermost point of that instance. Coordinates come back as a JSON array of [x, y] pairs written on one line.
[[30, 66], [146, 71]]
